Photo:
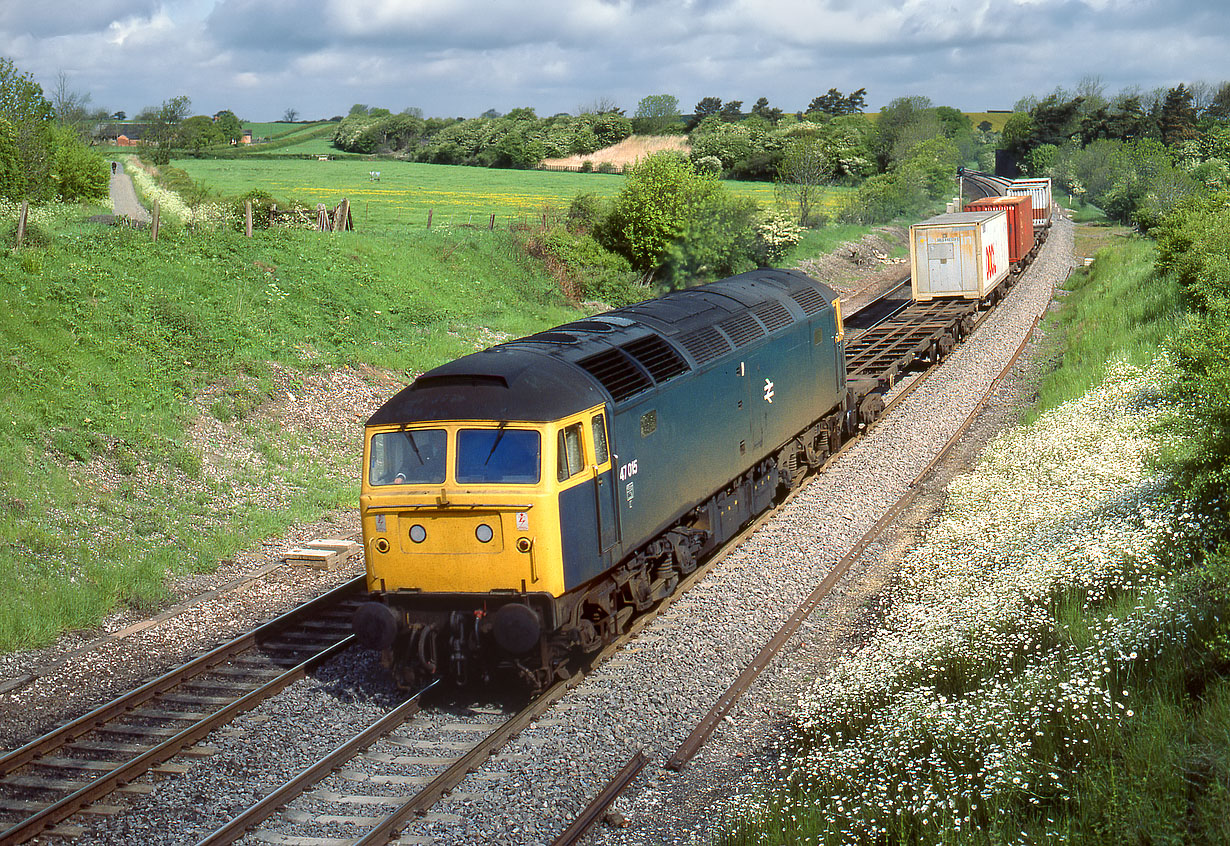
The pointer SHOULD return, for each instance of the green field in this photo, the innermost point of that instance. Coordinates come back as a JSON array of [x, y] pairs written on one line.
[[406, 191]]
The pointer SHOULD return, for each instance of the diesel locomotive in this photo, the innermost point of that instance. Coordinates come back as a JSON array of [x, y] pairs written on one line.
[[521, 504]]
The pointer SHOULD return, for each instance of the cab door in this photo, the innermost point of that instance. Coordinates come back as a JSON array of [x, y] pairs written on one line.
[[604, 485]]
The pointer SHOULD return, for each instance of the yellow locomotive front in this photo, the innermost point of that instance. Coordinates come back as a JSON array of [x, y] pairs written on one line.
[[480, 523], [463, 480]]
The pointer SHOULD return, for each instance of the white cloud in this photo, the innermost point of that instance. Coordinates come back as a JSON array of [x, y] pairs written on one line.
[[457, 57]]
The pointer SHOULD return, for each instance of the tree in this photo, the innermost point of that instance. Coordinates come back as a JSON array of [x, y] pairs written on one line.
[[902, 124], [32, 120], [706, 107], [290, 115], [836, 103], [732, 111], [71, 107], [78, 172], [804, 171], [656, 114], [661, 197], [230, 130], [1219, 106], [600, 106], [762, 109], [1178, 116]]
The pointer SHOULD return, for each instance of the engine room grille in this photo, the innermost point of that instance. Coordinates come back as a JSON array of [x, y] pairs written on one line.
[[742, 328], [656, 356], [616, 372], [810, 299], [705, 344], [773, 315]]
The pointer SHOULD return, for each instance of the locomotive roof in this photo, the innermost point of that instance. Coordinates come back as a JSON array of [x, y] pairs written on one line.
[[609, 357]]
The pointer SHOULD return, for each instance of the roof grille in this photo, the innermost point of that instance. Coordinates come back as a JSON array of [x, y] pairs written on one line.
[[616, 372], [657, 356], [810, 299], [773, 315], [705, 344], [742, 328]]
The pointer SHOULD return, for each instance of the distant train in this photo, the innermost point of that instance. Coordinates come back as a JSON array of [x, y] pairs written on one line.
[[522, 504]]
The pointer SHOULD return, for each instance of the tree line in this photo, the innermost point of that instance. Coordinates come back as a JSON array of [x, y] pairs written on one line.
[[1133, 154]]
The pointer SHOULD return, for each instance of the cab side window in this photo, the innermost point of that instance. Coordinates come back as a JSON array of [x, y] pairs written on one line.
[[570, 457], [601, 453]]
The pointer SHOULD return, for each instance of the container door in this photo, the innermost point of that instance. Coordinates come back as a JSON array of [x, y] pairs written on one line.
[[943, 270]]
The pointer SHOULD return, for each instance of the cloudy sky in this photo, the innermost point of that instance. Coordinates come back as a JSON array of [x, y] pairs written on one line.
[[461, 57]]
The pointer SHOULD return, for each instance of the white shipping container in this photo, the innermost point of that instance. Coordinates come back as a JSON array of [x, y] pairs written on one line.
[[959, 255], [1040, 191]]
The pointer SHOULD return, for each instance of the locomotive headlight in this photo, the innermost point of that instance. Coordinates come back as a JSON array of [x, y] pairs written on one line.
[[524, 544], [382, 545], [484, 533], [417, 533]]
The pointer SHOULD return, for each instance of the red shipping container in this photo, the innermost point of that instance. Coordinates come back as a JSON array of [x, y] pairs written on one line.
[[1020, 221]]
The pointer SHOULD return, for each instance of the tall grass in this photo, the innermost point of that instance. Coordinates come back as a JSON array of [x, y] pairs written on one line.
[[115, 348], [1119, 308]]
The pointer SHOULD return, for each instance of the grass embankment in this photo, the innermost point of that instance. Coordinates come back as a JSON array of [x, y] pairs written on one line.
[[1043, 670], [119, 352]]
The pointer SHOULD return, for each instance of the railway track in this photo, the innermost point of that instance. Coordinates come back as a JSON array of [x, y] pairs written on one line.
[[63, 773], [68, 770]]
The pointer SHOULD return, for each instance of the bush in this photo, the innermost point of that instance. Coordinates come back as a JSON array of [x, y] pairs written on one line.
[[586, 212], [670, 218]]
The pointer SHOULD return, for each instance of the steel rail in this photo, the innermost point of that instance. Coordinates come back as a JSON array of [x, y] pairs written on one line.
[[688, 749], [298, 785], [126, 772], [168, 681], [594, 810]]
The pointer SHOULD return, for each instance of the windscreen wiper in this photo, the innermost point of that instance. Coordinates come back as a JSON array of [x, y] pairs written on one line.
[[499, 436]]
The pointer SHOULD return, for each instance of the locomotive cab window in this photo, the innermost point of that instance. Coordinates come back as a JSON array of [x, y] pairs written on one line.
[[408, 457], [601, 452], [570, 456], [498, 456]]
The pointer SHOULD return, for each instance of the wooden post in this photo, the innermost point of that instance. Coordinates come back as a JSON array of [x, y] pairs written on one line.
[[157, 220], [491, 225], [341, 216], [247, 218], [430, 212], [322, 217], [21, 221]]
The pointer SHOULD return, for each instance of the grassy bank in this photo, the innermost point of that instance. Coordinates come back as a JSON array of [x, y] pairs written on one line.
[[1046, 668], [120, 353]]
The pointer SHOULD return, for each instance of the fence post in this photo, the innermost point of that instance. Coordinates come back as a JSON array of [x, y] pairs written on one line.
[[21, 221], [157, 220], [341, 215], [491, 225], [247, 218], [430, 212], [322, 217]]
